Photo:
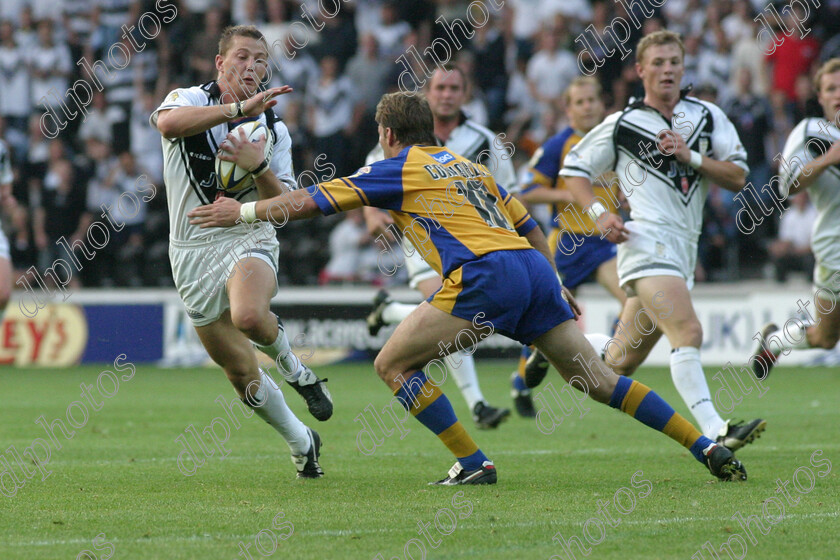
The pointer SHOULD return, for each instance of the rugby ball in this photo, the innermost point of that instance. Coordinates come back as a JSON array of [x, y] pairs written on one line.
[[229, 176]]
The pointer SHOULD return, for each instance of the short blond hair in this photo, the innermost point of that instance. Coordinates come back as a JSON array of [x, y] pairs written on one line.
[[408, 116], [831, 66], [582, 81], [662, 37], [228, 33]]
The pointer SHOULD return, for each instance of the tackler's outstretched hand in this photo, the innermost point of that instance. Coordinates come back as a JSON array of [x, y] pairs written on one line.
[[224, 212]]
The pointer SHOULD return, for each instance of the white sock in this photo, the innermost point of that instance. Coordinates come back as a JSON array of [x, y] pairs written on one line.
[[281, 352], [690, 381], [598, 341], [465, 377], [269, 404], [395, 312]]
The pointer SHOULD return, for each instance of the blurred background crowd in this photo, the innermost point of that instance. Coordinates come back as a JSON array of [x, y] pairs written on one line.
[[519, 62]]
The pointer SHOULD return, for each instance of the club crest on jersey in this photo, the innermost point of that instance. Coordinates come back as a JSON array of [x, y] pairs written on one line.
[[704, 145], [361, 171], [443, 157]]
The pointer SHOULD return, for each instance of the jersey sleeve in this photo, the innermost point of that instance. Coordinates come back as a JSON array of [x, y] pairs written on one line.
[[181, 97], [504, 172], [726, 145], [794, 157], [378, 185], [544, 166], [281, 157], [594, 154], [522, 220]]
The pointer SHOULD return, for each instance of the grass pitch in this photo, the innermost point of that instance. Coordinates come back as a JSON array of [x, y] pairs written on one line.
[[118, 478]]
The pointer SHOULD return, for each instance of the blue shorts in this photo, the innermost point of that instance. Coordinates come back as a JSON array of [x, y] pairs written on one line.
[[516, 292], [575, 269]]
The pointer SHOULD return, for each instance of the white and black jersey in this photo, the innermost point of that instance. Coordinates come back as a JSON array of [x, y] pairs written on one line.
[[478, 144], [189, 165], [810, 139], [661, 191]]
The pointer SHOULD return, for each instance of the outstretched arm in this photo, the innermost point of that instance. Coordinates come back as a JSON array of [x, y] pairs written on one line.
[[226, 212]]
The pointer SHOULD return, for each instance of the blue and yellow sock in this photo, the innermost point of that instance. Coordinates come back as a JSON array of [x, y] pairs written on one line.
[[650, 409], [430, 406], [519, 380]]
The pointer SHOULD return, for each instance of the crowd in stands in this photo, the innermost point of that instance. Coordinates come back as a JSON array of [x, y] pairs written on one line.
[[520, 54]]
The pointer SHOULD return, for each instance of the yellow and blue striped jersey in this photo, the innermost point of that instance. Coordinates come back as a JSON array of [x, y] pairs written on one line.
[[543, 170], [450, 208]]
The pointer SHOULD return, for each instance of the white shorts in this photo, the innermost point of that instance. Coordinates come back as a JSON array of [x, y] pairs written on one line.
[[201, 271], [4, 247], [827, 283], [651, 251], [416, 266]]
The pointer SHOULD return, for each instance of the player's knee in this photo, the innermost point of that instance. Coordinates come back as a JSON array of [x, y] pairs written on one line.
[[247, 320], [689, 332], [380, 364]]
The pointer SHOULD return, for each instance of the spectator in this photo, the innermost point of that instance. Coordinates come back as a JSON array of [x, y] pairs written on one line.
[[59, 211], [490, 71], [100, 120], [550, 70], [791, 251], [49, 66], [390, 32], [204, 45], [330, 101], [120, 261], [15, 90], [792, 58], [753, 119]]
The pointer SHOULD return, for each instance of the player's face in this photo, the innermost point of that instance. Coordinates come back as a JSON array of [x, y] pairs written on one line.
[[829, 95], [243, 67], [661, 71], [585, 108], [446, 93]]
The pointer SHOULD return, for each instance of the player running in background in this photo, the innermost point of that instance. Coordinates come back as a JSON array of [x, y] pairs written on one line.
[[446, 92], [578, 257], [811, 160], [227, 277], [498, 276], [664, 173]]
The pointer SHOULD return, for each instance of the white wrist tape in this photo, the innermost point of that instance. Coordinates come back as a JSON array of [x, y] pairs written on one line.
[[696, 160], [248, 212], [596, 210]]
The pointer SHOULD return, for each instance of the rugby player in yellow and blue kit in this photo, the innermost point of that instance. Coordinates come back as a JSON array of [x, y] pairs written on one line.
[[497, 276], [580, 253]]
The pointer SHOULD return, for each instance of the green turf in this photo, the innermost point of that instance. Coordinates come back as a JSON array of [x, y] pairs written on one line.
[[118, 476]]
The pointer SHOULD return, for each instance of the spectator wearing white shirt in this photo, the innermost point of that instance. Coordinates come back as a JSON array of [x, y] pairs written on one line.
[[49, 66], [352, 257], [331, 102], [550, 70], [791, 251]]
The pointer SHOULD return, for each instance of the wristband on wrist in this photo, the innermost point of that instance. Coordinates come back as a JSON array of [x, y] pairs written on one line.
[[596, 210], [696, 160], [248, 212], [260, 169]]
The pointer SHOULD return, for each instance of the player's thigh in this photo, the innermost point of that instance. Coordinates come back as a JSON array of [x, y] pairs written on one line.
[[576, 360], [607, 276], [827, 329], [636, 336], [427, 333], [429, 286], [228, 347], [668, 301], [250, 287]]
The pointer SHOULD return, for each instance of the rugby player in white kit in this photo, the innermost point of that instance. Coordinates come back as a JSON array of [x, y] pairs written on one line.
[[227, 277], [811, 160], [665, 149]]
